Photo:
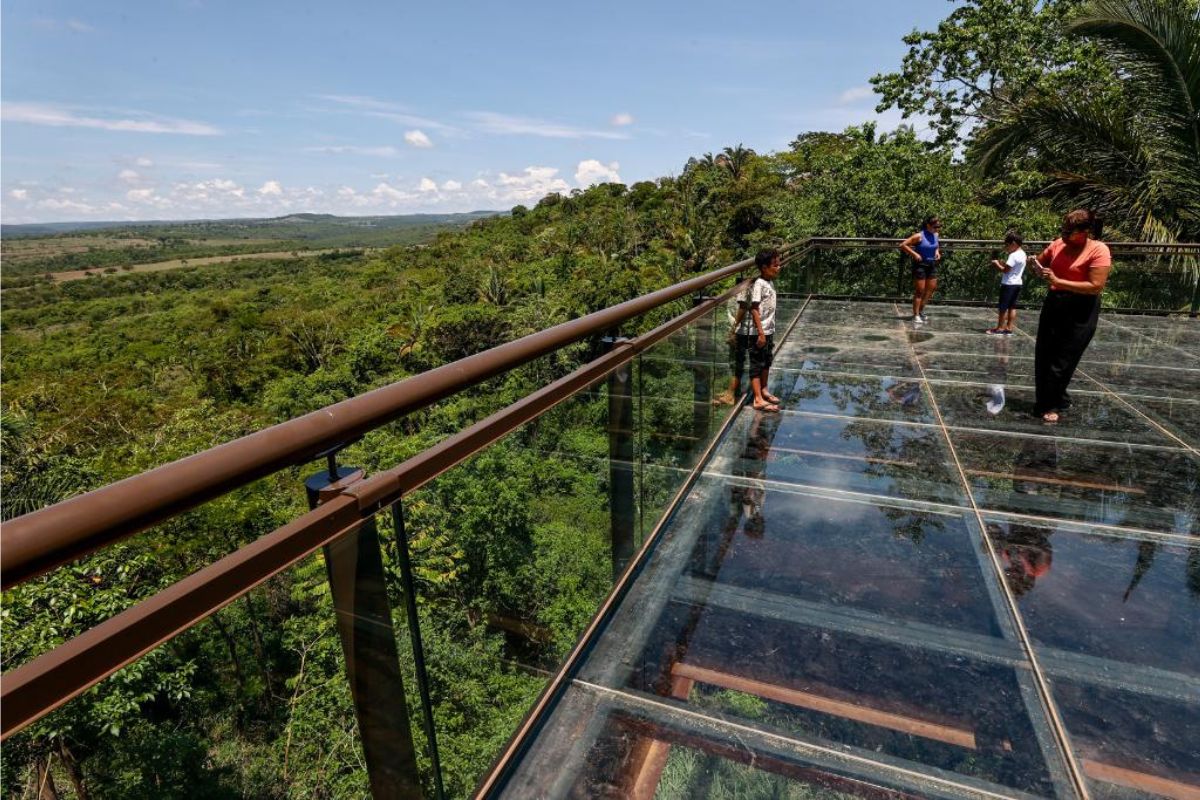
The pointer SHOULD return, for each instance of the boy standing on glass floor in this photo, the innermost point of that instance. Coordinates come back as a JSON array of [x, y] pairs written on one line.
[[1011, 271]]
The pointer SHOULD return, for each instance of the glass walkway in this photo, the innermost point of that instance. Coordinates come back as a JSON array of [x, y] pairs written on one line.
[[906, 585]]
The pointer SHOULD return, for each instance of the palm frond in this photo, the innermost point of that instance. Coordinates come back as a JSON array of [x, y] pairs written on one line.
[[1156, 45]]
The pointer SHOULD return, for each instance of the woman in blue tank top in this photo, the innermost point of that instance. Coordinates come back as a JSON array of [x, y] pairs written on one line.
[[924, 248]]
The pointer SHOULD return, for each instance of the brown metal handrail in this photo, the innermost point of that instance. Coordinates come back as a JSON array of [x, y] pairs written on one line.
[[1117, 248], [33, 690], [37, 542]]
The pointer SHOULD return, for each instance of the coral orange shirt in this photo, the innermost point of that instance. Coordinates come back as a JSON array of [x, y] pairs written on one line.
[[1071, 263]]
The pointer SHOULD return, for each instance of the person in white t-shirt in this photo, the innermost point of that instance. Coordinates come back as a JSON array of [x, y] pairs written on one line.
[[760, 324], [1011, 271]]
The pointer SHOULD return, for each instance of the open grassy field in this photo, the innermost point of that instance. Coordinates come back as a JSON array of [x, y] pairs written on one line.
[[160, 266]]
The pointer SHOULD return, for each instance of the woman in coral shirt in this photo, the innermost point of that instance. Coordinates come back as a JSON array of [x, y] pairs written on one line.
[[1076, 266]]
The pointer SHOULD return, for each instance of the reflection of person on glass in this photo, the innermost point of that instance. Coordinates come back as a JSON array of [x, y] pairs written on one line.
[[1076, 266], [752, 467], [906, 393], [998, 373], [739, 347], [1026, 552]]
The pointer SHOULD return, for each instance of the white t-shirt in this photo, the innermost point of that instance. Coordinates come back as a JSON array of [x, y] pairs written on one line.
[[762, 294], [1016, 268]]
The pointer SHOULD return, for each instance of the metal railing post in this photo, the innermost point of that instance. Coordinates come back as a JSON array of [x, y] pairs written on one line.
[[409, 587], [622, 508], [702, 373], [354, 565]]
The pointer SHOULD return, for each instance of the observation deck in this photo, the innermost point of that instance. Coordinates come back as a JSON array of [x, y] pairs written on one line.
[[902, 584], [905, 584]]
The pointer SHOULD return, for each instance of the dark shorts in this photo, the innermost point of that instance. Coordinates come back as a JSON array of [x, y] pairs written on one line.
[[924, 270], [1008, 297], [738, 349], [761, 357]]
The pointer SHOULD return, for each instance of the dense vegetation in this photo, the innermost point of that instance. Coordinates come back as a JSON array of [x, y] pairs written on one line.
[[106, 378]]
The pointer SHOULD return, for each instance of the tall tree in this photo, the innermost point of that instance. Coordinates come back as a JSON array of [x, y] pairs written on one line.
[[983, 58], [1136, 160]]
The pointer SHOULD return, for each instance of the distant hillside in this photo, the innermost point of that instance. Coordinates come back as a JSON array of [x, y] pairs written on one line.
[[307, 227], [30, 252]]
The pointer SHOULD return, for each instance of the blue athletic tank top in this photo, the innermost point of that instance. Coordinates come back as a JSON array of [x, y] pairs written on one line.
[[927, 247]]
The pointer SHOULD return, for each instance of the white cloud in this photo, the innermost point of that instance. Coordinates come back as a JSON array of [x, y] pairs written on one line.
[[19, 194], [139, 195], [427, 185], [854, 94], [128, 176], [480, 183], [390, 192], [451, 186], [144, 162], [270, 188], [71, 206], [55, 116], [591, 171], [382, 109], [533, 184], [384, 151], [624, 118], [505, 124], [417, 139], [74, 25]]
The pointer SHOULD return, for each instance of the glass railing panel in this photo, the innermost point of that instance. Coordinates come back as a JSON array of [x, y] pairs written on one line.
[[684, 395], [250, 700], [82, 594], [512, 553]]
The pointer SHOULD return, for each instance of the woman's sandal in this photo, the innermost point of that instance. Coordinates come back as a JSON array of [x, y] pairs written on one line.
[[770, 398], [766, 407]]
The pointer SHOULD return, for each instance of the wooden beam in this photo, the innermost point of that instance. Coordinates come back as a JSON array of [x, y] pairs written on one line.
[[1035, 478], [961, 737], [1151, 784]]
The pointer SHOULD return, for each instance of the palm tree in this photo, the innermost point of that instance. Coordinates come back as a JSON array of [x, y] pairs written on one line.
[[735, 159], [1136, 160]]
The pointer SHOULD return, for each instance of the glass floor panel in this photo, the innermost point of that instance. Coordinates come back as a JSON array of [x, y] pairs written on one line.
[[1180, 417], [994, 406], [1137, 487], [878, 397], [884, 359], [861, 597], [855, 455]]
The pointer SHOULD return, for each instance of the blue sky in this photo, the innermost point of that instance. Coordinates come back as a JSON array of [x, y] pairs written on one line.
[[182, 109]]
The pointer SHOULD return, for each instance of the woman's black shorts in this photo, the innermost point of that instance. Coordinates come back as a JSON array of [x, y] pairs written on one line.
[[1008, 297], [924, 270]]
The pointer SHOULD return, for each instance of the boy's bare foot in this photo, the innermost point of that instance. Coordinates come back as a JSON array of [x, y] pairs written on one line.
[[765, 407], [1050, 417], [725, 399]]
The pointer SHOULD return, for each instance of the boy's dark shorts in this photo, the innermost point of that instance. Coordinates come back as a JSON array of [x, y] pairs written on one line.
[[738, 348], [924, 270], [1008, 297], [761, 357]]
